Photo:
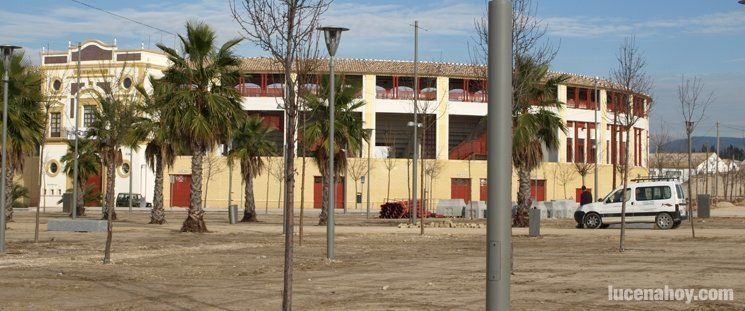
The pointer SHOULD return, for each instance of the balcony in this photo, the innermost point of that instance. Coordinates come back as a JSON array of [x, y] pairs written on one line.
[[460, 95]]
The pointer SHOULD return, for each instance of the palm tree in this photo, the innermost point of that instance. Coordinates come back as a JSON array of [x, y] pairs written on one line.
[[25, 119], [89, 164], [18, 193], [251, 144], [160, 151], [205, 108], [534, 124], [349, 135]]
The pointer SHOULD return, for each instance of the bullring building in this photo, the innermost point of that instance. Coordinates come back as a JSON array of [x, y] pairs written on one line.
[[452, 99]]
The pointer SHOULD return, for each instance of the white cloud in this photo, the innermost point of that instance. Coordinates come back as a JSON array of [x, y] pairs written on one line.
[[583, 26]]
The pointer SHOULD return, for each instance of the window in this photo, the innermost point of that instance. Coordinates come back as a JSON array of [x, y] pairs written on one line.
[[89, 115], [56, 85], [570, 148], [617, 197], [681, 194], [571, 95], [653, 193], [55, 126], [127, 83]]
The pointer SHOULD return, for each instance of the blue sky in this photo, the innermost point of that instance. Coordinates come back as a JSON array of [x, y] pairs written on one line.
[[704, 38]]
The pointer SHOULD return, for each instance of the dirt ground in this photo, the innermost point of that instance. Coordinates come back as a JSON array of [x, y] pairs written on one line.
[[380, 266]]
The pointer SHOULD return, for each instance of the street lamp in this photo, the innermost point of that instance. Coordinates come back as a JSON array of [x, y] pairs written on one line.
[[597, 129], [415, 156], [499, 161], [332, 35], [7, 54], [369, 181]]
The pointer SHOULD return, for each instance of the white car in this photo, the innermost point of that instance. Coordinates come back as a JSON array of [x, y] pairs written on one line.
[[652, 200]]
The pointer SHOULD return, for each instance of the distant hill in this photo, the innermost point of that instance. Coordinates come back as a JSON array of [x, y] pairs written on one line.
[[681, 145]]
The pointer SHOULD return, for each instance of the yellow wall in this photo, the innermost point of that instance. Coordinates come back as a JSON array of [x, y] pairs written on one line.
[[218, 188]]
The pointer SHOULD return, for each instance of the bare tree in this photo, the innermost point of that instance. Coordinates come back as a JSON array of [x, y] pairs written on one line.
[[390, 161], [356, 168], [633, 80], [584, 169], [659, 140], [694, 102], [213, 166], [433, 169], [564, 174], [282, 28]]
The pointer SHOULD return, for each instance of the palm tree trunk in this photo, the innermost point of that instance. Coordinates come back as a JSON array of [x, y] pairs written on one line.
[[249, 211], [110, 213], [323, 216], [9, 192], [108, 199], [158, 214], [194, 221], [80, 210], [523, 198]]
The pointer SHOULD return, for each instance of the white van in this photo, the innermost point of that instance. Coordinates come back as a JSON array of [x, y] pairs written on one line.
[[651, 200]]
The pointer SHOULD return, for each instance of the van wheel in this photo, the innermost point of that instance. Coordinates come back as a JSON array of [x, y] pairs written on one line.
[[592, 221], [664, 221]]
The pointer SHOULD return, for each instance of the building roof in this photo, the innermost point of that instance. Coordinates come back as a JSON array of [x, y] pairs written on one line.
[[676, 160], [405, 68]]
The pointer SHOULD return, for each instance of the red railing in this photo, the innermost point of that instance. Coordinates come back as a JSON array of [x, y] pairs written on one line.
[[462, 96], [469, 148]]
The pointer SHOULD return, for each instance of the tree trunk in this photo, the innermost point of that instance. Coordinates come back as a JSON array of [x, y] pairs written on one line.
[[80, 209], [625, 186], [302, 194], [194, 221], [9, 192], [388, 192], [249, 206], [323, 216], [110, 213], [523, 198], [158, 214], [110, 178]]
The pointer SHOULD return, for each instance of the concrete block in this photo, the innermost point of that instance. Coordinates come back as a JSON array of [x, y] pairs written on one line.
[[451, 208], [476, 209], [78, 225]]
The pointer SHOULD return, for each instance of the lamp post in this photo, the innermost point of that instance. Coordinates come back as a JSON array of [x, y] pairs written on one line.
[[499, 161], [7, 54], [131, 173], [75, 161], [369, 181], [414, 157], [597, 128], [332, 35]]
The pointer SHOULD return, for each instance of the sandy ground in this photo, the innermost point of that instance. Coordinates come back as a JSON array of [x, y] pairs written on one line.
[[379, 266]]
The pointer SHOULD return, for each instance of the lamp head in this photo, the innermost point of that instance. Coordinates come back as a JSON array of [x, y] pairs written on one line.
[[8, 49], [332, 34]]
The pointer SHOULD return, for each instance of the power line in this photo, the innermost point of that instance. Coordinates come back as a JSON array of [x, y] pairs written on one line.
[[123, 17]]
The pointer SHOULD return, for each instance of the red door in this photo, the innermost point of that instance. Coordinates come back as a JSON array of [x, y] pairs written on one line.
[[578, 191], [318, 193], [180, 190], [484, 190], [538, 190], [96, 185], [460, 188]]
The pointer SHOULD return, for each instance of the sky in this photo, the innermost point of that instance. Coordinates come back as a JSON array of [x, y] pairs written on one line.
[[695, 38]]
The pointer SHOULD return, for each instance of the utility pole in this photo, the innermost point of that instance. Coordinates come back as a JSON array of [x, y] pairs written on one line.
[[716, 167], [369, 181], [413, 209], [75, 164], [499, 161], [597, 140], [8, 59], [689, 132]]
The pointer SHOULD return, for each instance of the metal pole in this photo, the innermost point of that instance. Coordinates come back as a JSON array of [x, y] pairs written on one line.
[[131, 153], [412, 210], [597, 129], [6, 79], [369, 181], [499, 161], [716, 167], [75, 161], [230, 184], [332, 179]]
